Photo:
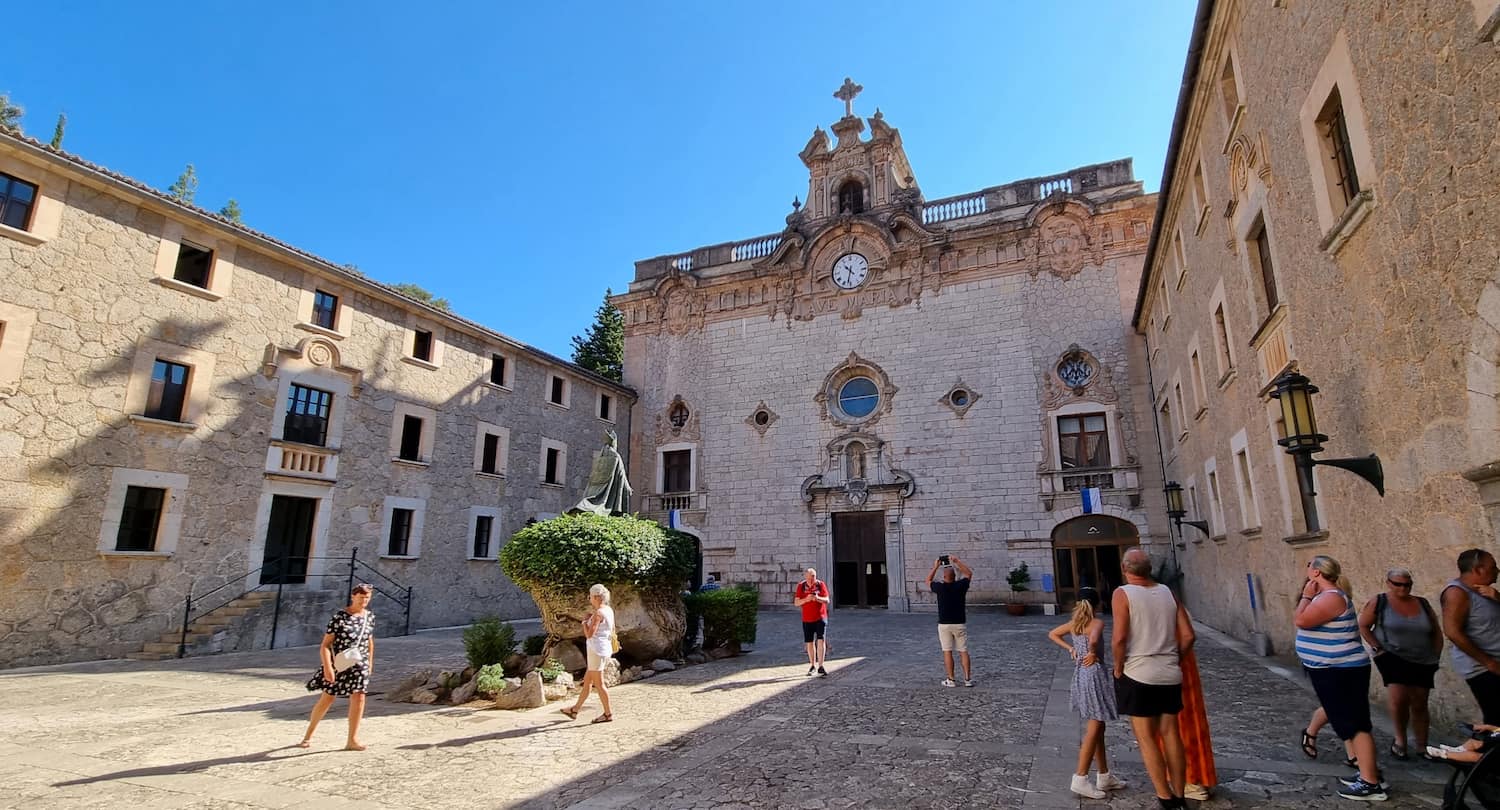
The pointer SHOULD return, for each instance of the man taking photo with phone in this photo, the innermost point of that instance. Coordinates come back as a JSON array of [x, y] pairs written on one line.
[[952, 592]]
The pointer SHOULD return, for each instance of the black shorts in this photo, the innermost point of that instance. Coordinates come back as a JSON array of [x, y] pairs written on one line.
[[1397, 671], [1486, 689], [814, 630], [1344, 694], [1137, 699]]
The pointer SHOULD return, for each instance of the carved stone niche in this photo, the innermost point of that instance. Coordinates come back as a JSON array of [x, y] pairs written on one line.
[[761, 418], [1077, 374], [831, 409], [314, 352], [855, 466]]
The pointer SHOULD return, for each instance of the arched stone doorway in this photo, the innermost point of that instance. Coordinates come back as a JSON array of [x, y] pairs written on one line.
[[1086, 552]]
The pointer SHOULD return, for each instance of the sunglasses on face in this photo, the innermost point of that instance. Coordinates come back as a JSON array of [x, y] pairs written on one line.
[[1399, 584]]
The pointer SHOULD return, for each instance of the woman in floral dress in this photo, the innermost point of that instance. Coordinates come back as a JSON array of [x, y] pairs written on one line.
[[348, 656]]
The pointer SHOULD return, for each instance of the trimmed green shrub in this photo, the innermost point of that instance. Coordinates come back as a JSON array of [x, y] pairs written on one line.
[[571, 552], [533, 645], [490, 680], [728, 614], [550, 669], [1019, 577], [488, 641]]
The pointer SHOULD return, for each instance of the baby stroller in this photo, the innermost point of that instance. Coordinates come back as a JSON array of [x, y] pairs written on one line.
[[1476, 785]]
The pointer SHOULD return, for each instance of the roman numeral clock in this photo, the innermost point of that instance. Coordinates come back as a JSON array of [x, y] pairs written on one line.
[[850, 271]]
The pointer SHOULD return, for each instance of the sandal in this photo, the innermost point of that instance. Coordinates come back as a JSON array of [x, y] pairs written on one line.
[[571, 712], [603, 718], [1397, 751], [1351, 762], [1309, 745]]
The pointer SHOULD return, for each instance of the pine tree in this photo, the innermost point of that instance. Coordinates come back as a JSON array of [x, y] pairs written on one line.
[[420, 293], [231, 210], [602, 350], [186, 187], [57, 132], [10, 114]]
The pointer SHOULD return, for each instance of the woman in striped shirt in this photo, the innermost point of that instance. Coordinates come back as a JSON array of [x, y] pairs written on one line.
[[1335, 660]]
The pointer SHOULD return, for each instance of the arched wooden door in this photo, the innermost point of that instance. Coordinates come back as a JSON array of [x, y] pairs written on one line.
[[1086, 553]]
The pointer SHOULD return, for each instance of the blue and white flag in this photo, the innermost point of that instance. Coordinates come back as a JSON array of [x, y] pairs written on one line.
[[674, 519], [1093, 500]]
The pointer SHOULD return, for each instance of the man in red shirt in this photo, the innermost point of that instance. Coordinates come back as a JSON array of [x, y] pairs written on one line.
[[812, 596]]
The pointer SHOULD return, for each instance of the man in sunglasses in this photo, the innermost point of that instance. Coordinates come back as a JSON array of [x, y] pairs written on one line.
[[1471, 620]]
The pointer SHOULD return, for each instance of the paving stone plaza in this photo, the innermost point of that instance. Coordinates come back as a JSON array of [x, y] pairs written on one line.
[[748, 732]]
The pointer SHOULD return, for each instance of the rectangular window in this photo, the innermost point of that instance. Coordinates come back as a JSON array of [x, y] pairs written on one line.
[[1200, 390], [556, 394], [483, 525], [489, 460], [1181, 255], [677, 471], [168, 393], [1221, 341], [140, 519], [421, 345], [606, 407], [325, 309], [411, 438], [1213, 494], [1168, 430], [550, 474], [1229, 89], [1193, 504], [17, 198], [1334, 131], [1200, 189], [1248, 506], [1083, 441], [1260, 255], [400, 539], [1181, 409], [306, 415], [1166, 306], [497, 369], [193, 264]]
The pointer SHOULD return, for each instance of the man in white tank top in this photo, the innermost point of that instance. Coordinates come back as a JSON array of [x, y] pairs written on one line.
[[1151, 630]]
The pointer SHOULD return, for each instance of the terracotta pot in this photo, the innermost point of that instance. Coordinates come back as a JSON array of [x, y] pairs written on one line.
[[1015, 608]]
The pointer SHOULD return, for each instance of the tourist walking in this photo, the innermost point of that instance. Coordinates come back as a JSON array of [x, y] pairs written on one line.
[[812, 596], [1471, 620], [1092, 694], [1199, 770], [1332, 655], [953, 630], [1151, 630], [600, 644], [1406, 638], [348, 657]]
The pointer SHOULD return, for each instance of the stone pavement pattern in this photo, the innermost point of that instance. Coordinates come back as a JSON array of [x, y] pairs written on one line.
[[751, 732]]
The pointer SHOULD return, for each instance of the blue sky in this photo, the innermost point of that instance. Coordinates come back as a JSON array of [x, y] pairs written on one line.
[[519, 160]]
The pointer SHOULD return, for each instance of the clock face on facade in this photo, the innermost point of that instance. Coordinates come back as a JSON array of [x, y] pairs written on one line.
[[850, 270]]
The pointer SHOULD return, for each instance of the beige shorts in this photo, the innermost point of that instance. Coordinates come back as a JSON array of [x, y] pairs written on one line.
[[596, 662], [953, 637]]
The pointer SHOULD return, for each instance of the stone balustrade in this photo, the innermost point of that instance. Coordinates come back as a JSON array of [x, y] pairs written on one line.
[[1061, 484], [302, 461]]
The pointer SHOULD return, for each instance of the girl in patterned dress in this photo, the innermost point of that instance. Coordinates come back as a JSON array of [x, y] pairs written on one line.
[[1093, 691], [348, 656]]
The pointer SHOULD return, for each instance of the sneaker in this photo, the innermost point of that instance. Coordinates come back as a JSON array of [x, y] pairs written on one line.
[[1082, 787], [1362, 791], [949, 682], [1351, 781], [823, 672], [1197, 793], [969, 682], [1108, 781], [811, 670]]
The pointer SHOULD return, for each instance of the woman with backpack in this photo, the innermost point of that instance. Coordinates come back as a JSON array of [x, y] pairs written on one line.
[[1406, 638]]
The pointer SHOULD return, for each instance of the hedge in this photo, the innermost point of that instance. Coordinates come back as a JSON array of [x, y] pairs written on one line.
[[728, 614], [572, 552]]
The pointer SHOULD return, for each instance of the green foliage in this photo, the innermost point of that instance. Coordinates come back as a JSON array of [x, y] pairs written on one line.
[[491, 680], [488, 641], [728, 614], [533, 645], [602, 349], [550, 669], [57, 131], [185, 189], [420, 293], [572, 552], [10, 114], [1018, 578], [231, 211]]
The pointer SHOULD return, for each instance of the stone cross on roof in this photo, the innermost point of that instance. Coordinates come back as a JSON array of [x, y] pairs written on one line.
[[846, 94]]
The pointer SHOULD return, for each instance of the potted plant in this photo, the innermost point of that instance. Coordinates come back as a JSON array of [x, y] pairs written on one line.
[[1018, 578]]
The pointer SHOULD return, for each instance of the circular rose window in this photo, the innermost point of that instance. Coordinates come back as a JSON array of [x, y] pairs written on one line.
[[1075, 372], [858, 397]]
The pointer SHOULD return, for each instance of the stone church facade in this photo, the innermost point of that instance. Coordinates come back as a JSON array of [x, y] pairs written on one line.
[[185, 401], [891, 378]]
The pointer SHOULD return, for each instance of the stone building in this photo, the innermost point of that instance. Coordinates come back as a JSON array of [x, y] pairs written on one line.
[[1329, 207], [187, 404], [891, 378]]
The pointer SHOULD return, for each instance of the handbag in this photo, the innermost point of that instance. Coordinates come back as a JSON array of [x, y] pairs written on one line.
[[614, 643], [346, 658]]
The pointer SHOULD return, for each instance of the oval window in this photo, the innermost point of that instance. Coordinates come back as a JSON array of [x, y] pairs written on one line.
[[959, 398], [858, 397], [762, 418]]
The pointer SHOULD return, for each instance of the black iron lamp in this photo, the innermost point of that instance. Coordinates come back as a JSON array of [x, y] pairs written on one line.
[[1294, 391], [1176, 512]]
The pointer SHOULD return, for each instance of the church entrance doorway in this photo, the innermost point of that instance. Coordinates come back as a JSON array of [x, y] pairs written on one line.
[[1086, 553], [859, 574]]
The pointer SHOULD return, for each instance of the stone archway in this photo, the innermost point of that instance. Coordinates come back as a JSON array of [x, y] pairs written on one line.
[[1086, 551]]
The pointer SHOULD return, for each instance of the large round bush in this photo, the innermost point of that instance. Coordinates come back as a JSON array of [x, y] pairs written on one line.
[[570, 552]]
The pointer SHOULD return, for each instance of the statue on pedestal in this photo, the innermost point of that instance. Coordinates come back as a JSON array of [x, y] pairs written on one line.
[[608, 491]]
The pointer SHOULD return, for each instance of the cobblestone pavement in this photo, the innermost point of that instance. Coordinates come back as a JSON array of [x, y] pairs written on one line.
[[750, 732]]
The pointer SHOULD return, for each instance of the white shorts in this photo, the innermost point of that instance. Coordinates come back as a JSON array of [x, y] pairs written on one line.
[[953, 637], [596, 661]]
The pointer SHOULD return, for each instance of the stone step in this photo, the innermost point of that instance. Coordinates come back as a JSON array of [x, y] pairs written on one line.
[[192, 638], [168, 649], [146, 656], [235, 611], [214, 619], [254, 598]]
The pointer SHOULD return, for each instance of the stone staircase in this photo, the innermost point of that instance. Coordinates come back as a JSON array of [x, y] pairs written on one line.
[[204, 627]]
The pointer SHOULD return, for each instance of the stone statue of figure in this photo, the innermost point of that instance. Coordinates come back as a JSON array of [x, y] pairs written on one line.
[[608, 491]]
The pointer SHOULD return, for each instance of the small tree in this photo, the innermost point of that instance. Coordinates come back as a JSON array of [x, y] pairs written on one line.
[[231, 210], [10, 114], [57, 131], [421, 294], [602, 349], [186, 187], [1019, 577]]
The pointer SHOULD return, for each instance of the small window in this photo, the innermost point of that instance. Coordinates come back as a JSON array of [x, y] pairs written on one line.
[[483, 526], [169, 389], [1182, 267], [677, 471], [606, 407], [1333, 131], [1213, 493], [489, 459], [325, 309], [411, 438], [959, 397], [1260, 256], [497, 369], [306, 415], [555, 396], [1181, 409], [400, 539], [140, 519], [1200, 189], [421, 345], [1248, 504], [17, 198], [762, 417], [1229, 88], [1200, 390], [1221, 341], [1168, 430], [851, 198], [551, 474], [1083, 441], [1166, 303], [859, 397], [193, 265]]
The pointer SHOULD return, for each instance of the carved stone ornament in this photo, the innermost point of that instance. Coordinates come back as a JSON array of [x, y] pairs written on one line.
[[959, 398], [1061, 243], [1247, 155], [857, 491], [761, 418], [852, 367], [312, 351], [1077, 374], [677, 422]]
